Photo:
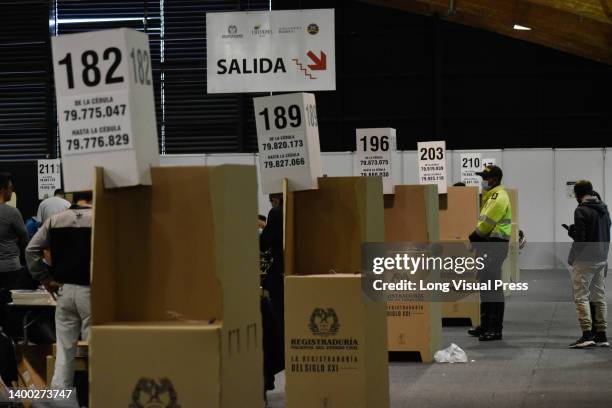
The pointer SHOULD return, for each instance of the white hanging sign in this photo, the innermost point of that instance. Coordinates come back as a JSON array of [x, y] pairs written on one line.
[[288, 138], [49, 177], [374, 154], [432, 164], [265, 51]]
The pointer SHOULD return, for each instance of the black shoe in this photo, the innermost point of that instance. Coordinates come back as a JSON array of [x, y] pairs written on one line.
[[490, 336], [587, 340], [601, 340], [476, 331]]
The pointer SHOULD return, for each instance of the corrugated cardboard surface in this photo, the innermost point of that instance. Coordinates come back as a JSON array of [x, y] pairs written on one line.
[[351, 374], [457, 222], [459, 218], [184, 249], [325, 228], [183, 354], [411, 215]]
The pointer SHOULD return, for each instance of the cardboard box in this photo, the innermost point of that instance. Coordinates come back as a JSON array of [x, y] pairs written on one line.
[[335, 344], [176, 278], [80, 364], [325, 228], [31, 366], [335, 338], [411, 215], [82, 349], [457, 221]]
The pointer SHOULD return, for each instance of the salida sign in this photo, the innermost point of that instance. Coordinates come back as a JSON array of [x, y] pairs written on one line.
[[271, 51]]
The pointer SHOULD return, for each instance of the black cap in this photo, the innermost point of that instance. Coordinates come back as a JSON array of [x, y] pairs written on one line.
[[490, 172]]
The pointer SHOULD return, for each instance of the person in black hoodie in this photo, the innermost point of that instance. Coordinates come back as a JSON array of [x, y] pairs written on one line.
[[589, 260], [271, 240]]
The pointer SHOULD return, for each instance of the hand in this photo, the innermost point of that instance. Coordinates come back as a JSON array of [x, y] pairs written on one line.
[[52, 287]]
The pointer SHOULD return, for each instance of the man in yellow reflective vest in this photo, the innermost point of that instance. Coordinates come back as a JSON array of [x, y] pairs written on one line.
[[491, 238]]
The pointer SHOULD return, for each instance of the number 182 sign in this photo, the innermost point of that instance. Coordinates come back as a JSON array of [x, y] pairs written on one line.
[[432, 164], [104, 88]]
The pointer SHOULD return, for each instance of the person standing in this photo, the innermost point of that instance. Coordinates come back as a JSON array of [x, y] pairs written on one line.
[[13, 238], [491, 238], [588, 259], [52, 205], [68, 236], [271, 240]]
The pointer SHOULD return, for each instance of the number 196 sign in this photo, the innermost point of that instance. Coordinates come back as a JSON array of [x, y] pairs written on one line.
[[374, 154], [288, 137], [432, 164]]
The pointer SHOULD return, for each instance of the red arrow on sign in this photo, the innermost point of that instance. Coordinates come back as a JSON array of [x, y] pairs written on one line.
[[319, 63]]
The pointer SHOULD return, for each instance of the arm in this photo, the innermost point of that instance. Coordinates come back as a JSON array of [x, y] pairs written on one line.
[[35, 254], [20, 229], [487, 221], [266, 239], [580, 225]]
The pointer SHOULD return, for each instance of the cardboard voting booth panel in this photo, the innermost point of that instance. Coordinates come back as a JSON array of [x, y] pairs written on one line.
[[510, 269], [335, 337], [411, 215], [175, 279], [457, 221]]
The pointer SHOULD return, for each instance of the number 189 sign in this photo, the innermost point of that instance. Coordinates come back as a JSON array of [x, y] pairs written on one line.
[[104, 88], [288, 137], [432, 164]]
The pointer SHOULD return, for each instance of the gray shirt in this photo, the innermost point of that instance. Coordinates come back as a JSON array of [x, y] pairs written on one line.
[[13, 236], [51, 206]]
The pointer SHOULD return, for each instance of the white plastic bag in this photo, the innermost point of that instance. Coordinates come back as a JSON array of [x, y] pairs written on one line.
[[451, 354]]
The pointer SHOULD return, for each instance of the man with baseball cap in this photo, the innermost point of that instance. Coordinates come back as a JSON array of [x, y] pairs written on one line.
[[494, 228]]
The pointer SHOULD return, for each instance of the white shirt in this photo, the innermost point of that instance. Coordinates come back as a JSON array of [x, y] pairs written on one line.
[[51, 206]]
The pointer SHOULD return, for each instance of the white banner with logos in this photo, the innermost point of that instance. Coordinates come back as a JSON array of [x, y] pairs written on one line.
[[374, 154], [470, 164], [49, 177], [271, 51], [432, 164]]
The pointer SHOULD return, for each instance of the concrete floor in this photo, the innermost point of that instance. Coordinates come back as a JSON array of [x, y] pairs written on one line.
[[531, 367]]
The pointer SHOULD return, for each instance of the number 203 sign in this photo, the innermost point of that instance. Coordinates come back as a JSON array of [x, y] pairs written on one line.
[[104, 88], [432, 164]]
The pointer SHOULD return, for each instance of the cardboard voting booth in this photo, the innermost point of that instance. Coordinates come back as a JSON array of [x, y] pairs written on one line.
[[335, 337], [175, 301], [411, 215], [457, 221], [510, 269]]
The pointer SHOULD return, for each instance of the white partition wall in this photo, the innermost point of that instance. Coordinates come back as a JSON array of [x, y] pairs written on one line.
[[606, 194], [572, 165], [531, 171], [337, 164], [540, 175], [230, 158], [182, 160], [410, 170]]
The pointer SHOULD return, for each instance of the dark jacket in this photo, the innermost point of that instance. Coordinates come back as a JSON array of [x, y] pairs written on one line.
[[591, 232], [68, 236], [271, 239]]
